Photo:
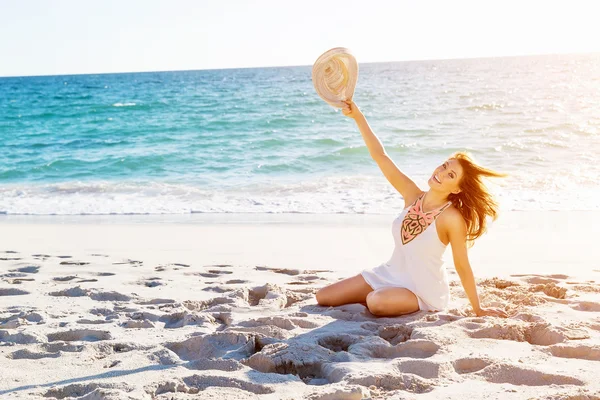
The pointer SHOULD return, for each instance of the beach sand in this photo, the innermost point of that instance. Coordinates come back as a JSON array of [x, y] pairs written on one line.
[[222, 306]]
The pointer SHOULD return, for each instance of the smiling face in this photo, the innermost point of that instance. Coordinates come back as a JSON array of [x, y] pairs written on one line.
[[447, 177]]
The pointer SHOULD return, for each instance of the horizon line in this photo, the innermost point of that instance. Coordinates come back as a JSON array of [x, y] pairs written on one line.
[[294, 66]]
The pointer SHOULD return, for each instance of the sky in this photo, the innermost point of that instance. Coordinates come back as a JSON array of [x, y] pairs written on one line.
[[56, 37]]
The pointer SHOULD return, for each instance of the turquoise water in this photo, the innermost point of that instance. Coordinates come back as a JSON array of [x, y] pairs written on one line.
[[261, 140]]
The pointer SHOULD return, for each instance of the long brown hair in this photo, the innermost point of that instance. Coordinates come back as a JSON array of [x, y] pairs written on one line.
[[474, 202]]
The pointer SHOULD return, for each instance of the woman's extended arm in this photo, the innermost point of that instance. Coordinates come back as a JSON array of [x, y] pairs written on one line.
[[457, 232], [403, 184]]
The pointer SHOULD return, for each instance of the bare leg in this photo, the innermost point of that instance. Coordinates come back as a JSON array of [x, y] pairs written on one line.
[[392, 301], [346, 291]]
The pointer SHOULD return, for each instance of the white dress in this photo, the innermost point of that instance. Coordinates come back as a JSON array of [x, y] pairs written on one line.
[[416, 263]]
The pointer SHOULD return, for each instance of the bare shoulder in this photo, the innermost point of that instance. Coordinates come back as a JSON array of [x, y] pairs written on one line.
[[451, 219]]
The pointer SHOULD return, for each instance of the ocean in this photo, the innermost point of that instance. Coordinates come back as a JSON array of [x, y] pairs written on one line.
[[262, 141]]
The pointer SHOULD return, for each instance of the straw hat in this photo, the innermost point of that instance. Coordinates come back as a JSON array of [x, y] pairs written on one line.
[[334, 75]]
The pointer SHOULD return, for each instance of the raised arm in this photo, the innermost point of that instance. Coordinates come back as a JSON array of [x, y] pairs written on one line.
[[455, 225], [402, 183]]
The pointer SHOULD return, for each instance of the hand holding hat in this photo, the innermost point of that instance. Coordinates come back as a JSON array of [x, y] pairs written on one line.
[[334, 76]]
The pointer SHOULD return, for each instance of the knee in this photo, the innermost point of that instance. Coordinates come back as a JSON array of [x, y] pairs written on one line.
[[321, 296], [375, 304]]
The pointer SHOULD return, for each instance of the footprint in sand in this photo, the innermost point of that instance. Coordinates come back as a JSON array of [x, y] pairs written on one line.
[[217, 289], [551, 277], [394, 334], [285, 271], [133, 263], [184, 318], [86, 321], [71, 292], [74, 263], [66, 347], [469, 365], [219, 272], [516, 375], [22, 318], [151, 282], [292, 272], [41, 256], [12, 292], [205, 364], [426, 369], [11, 323], [30, 269], [215, 345], [110, 296], [586, 287], [571, 350], [64, 278], [286, 323], [143, 316], [586, 306], [337, 342], [236, 281], [550, 289], [388, 382], [202, 382], [211, 273], [274, 296], [25, 354], [13, 275], [207, 304], [94, 295], [133, 324], [537, 333], [88, 335], [21, 338], [310, 290], [105, 312], [207, 275], [415, 348], [91, 390], [174, 266], [18, 281], [103, 274], [226, 386], [155, 301]]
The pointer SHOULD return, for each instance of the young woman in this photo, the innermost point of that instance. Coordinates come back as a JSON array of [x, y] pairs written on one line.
[[453, 211]]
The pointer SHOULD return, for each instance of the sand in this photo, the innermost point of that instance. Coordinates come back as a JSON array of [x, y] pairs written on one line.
[[201, 306]]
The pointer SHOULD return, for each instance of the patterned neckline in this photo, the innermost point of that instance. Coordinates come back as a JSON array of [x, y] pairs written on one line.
[[416, 220]]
